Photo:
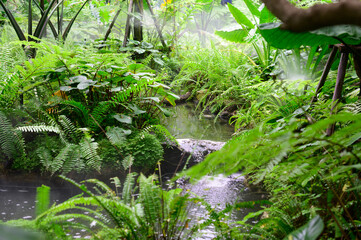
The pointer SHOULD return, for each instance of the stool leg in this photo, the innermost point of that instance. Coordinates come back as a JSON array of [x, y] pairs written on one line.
[[338, 88], [325, 72], [357, 64]]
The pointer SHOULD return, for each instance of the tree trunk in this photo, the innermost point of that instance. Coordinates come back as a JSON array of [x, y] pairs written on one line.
[[138, 25]]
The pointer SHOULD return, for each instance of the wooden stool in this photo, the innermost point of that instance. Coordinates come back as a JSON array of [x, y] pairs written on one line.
[[345, 50]]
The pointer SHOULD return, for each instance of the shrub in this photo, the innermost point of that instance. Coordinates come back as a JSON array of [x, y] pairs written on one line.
[[146, 150]]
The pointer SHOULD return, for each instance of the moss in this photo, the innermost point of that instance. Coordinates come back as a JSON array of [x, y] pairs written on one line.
[[146, 150], [111, 158]]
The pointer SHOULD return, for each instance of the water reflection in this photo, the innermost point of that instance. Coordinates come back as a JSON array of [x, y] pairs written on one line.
[[18, 194], [185, 123], [219, 191], [18, 199]]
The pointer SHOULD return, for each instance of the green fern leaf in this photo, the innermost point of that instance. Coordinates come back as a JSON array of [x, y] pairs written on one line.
[[72, 134], [39, 128], [88, 149], [11, 141]]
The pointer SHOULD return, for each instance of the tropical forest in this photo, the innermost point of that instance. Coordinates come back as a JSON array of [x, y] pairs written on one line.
[[180, 119]]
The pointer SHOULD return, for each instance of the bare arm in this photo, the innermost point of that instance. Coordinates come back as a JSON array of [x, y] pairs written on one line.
[[320, 15]]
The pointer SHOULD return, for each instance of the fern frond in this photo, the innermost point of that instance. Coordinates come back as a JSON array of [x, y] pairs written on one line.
[[116, 135], [88, 150], [99, 113], [150, 196], [45, 157], [353, 107], [67, 159], [162, 134], [117, 184], [132, 90], [36, 67], [11, 141], [107, 190], [127, 162], [39, 128], [80, 110], [128, 188], [70, 131]]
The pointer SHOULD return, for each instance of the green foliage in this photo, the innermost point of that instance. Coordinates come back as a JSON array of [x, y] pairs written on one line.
[[77, 94], [284, 39], [72, 150], [16, 233], [203, 69], [163, 135], [10, 55], [42, 199], [310, 231], [11, 141], [249, 33], [44, 20], [146, 150], [298, 163], [155, 213]]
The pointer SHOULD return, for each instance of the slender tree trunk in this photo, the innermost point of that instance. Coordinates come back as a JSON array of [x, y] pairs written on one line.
[[138, 25], [127, 25]]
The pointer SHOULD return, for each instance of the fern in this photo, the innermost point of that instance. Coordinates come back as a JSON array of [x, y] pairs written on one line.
[[117, 184], [116, 135], [296, 161], [71, 133], [88, 150], [67, 160], [132, 90], [99, 113], [107, 190], [11, 141], [162, 134], [150, 197], [154, 214], [45, 157], [128, 188], [36, 66], [80, 110], [353, 107], [39, 128], [127, 162]]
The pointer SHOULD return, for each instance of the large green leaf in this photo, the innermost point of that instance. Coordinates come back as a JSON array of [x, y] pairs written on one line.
[[348, 33], [123, 118], [42, 199], [253, 8], [238, 35], [240, 17], [266, 16], [310, 231], [285, 39]]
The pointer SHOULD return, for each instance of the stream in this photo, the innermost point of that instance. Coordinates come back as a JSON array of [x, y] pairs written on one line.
[[18, 193]]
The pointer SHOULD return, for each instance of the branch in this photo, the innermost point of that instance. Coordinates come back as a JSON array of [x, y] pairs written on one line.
[[320, 15]]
